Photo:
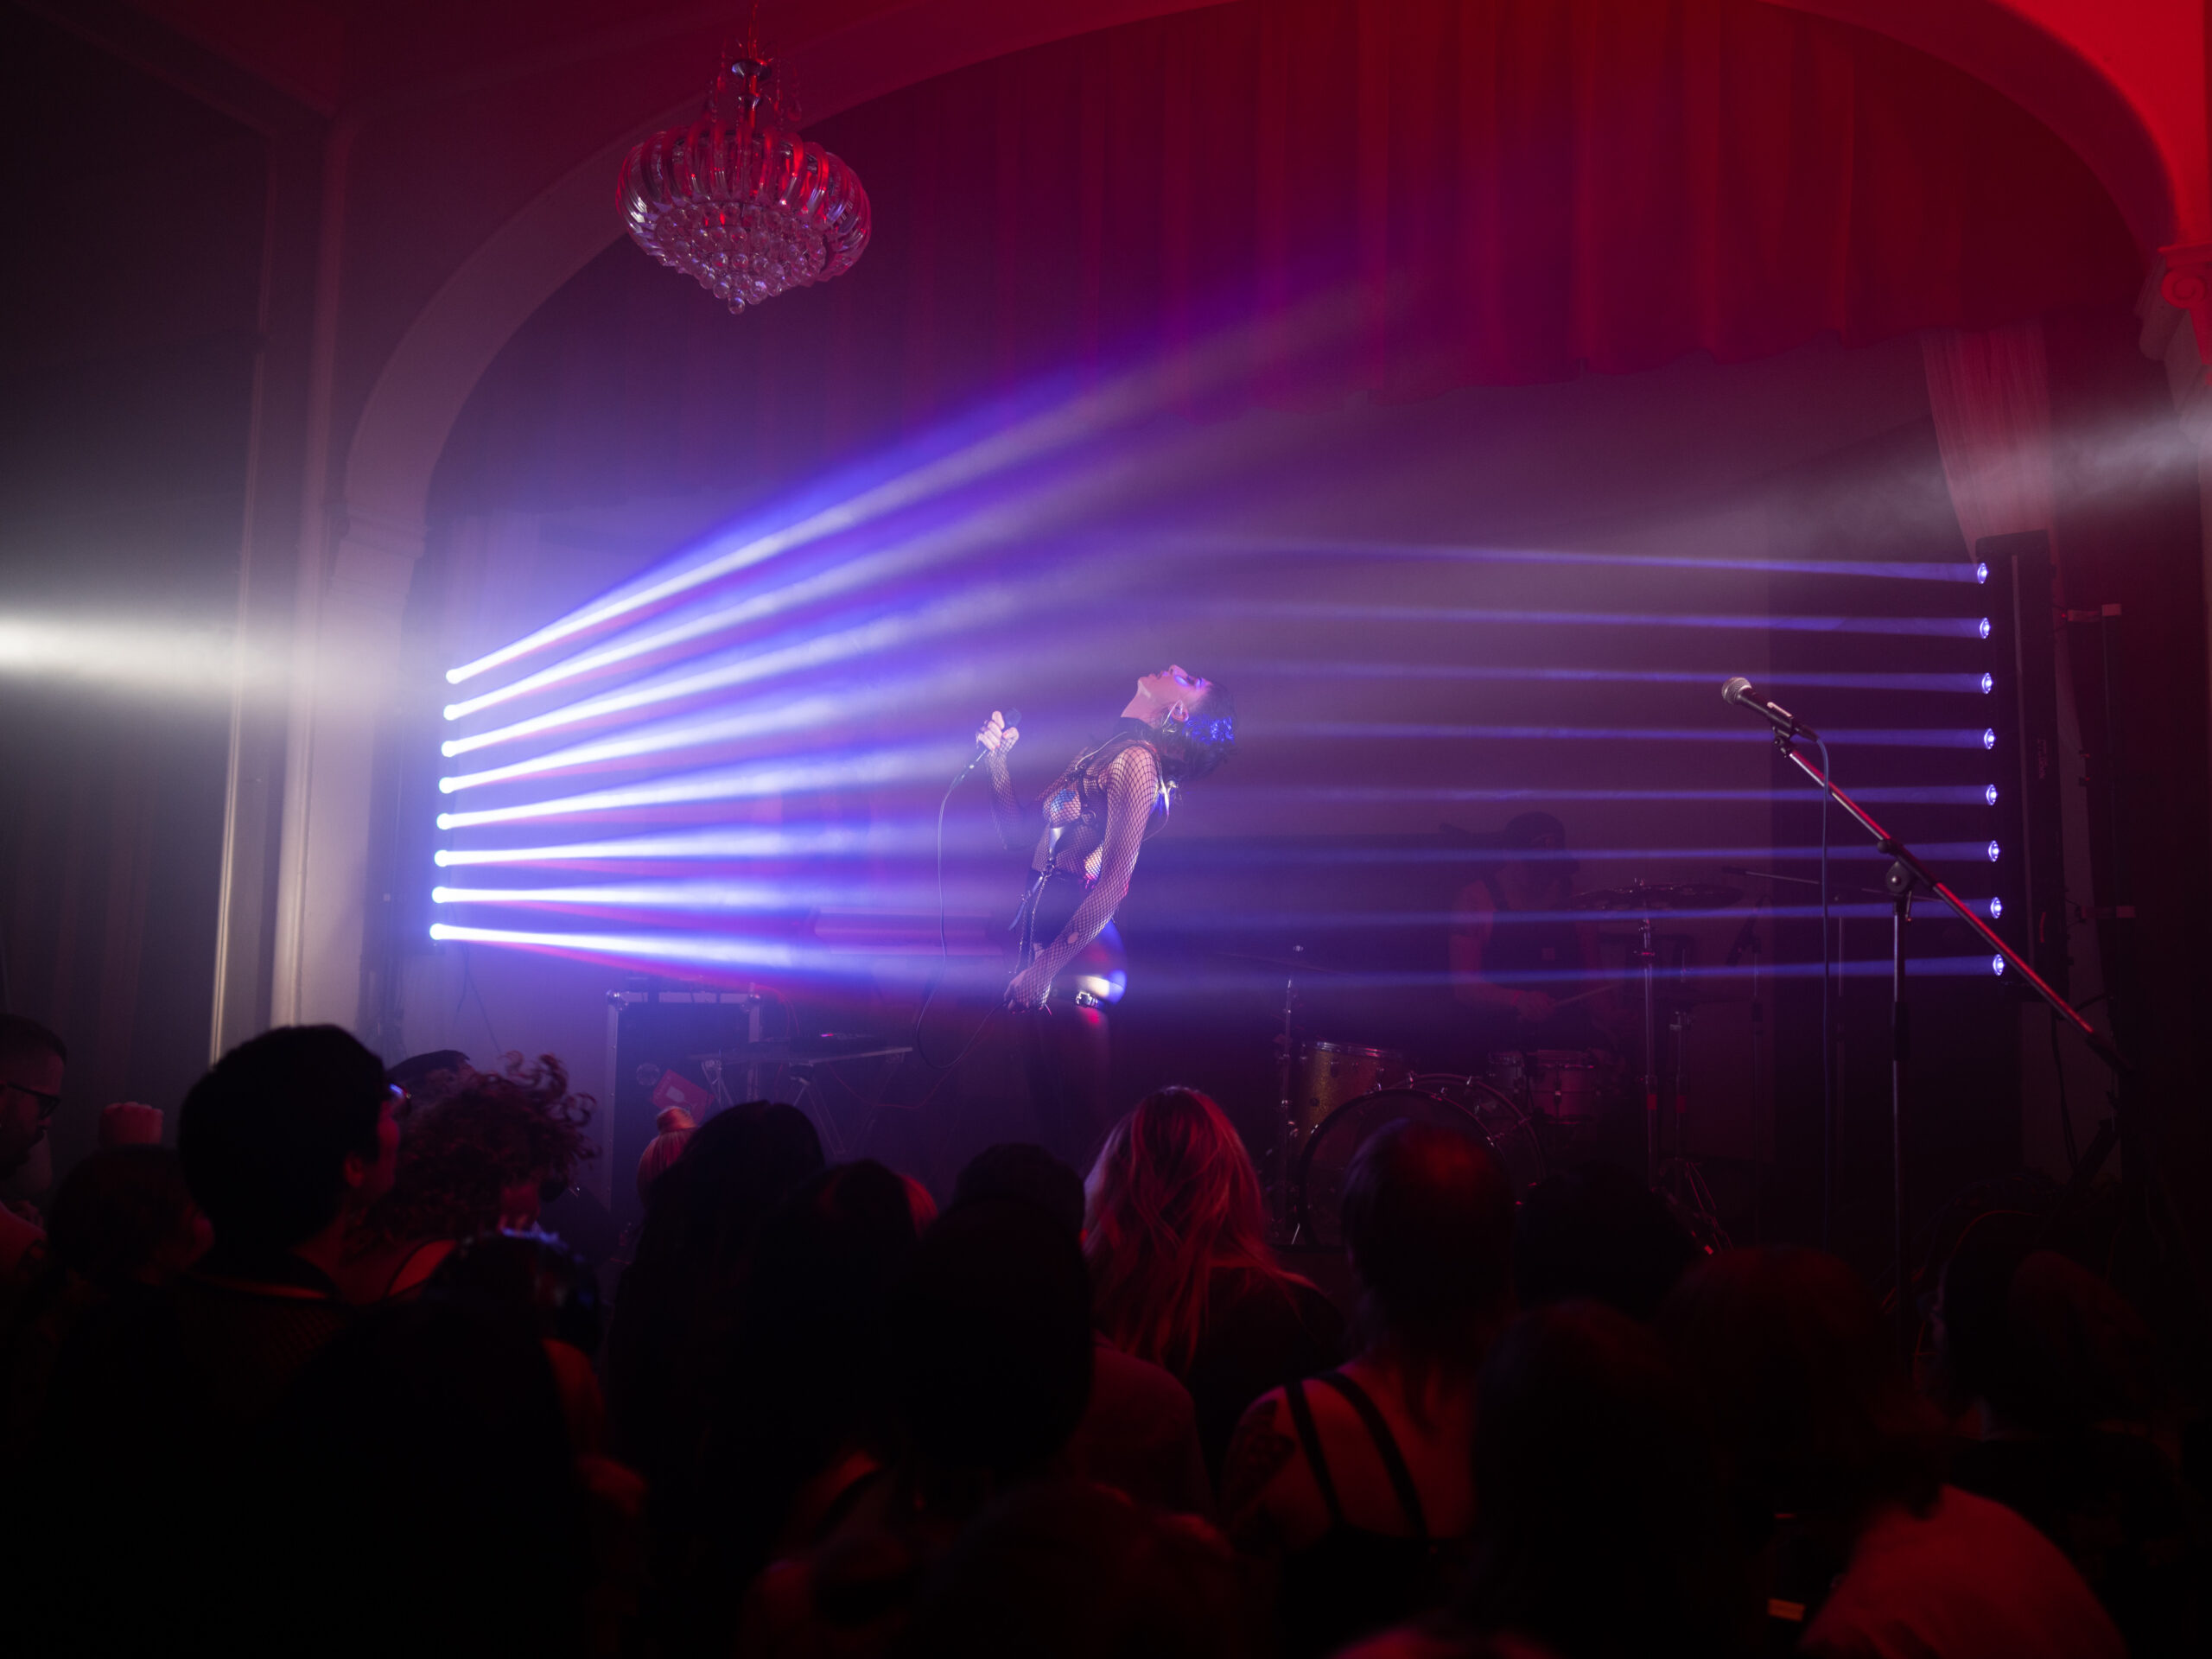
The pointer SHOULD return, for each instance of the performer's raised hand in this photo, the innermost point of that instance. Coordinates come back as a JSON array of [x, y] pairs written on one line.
[[997, 737]]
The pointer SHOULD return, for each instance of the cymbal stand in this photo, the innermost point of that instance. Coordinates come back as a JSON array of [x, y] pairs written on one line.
[[1679, 1023], [1901, 880], [1285, 1122], [1908, 873], [1651, 960], [1679, 1180], [1835, 1049]]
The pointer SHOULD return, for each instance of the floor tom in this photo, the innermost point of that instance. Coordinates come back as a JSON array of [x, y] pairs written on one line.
[[1514, 1135], [1327, 1075]]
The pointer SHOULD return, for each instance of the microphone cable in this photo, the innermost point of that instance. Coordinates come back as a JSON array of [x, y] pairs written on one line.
[[944, 941], [1828, 1026]]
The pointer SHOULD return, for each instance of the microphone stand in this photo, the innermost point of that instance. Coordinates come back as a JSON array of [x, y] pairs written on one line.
[[1286, 1117], [1908, 873]]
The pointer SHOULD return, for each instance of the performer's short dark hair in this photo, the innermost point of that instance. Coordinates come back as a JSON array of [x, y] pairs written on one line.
[[1198, 744]]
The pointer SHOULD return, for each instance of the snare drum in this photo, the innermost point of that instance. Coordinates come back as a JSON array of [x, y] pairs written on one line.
[[1569, 1086], [1565, 1083], [1328, 1075]]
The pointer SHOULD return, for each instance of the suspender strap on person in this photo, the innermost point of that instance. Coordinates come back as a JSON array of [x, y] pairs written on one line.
[[1309, 1441], [1386, 1447]]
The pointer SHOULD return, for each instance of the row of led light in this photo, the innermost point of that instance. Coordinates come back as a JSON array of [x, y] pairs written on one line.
[[730, 785], [1989, 790], [757, 667], [1047, 429], [709, 789]]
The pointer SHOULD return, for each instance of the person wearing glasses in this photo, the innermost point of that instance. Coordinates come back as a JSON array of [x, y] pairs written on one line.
[[31, 1062]]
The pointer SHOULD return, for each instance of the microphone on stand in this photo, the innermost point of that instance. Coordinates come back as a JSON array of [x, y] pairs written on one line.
[[1739, 691]]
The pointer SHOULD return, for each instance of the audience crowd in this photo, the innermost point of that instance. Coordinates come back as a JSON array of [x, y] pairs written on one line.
[[354, 1365]]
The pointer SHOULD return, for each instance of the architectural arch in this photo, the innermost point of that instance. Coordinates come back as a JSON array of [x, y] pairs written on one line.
[[522, 264], [2129, 99]]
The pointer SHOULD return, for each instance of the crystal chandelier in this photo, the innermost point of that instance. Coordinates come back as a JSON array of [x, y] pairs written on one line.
[[737, 201]]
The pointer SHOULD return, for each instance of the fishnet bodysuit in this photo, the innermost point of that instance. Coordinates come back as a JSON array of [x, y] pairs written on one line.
[[1091, 825]]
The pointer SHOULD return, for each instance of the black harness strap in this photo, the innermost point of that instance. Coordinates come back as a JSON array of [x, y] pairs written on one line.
[[1386, 1445], [1309, 1439]]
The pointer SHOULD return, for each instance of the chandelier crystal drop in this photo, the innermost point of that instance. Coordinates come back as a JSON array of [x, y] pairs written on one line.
[[739, 202]]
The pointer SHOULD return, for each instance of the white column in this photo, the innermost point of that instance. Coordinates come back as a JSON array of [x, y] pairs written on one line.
[[344, 679]]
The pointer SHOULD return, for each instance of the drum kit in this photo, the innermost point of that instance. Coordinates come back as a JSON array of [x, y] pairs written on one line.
[[1534, 1109]]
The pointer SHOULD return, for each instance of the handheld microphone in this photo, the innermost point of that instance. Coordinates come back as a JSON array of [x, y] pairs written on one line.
[[1011, 718], [1739, 691]]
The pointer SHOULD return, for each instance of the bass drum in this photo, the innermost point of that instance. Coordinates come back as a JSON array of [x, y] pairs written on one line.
[[1328, 1152], [1516, 1135]]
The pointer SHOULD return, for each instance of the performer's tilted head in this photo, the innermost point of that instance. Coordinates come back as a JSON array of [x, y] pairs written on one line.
[[1194, 720]]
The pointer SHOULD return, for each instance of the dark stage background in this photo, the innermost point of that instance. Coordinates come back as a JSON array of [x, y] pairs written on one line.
[[1694, 346], [1347, 822], [1482, 277]]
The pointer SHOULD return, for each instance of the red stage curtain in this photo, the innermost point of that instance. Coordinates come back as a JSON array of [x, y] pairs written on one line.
[[1491, 191]]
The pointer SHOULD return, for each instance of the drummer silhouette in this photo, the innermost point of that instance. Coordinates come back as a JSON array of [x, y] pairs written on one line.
[[1521, 961]]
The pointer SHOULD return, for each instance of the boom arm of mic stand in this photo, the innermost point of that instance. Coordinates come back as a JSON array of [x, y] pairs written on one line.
[[1896, 850]]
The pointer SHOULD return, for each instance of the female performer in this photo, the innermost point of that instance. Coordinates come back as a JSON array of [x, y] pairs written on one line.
[[1090, 823], [1086, 833]]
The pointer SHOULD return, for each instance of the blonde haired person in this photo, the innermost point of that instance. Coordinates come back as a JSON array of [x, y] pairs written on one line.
[[1181, 1270]]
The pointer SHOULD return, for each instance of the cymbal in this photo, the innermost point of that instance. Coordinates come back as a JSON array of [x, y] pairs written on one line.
[[1283, 959], [1687, 895]]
